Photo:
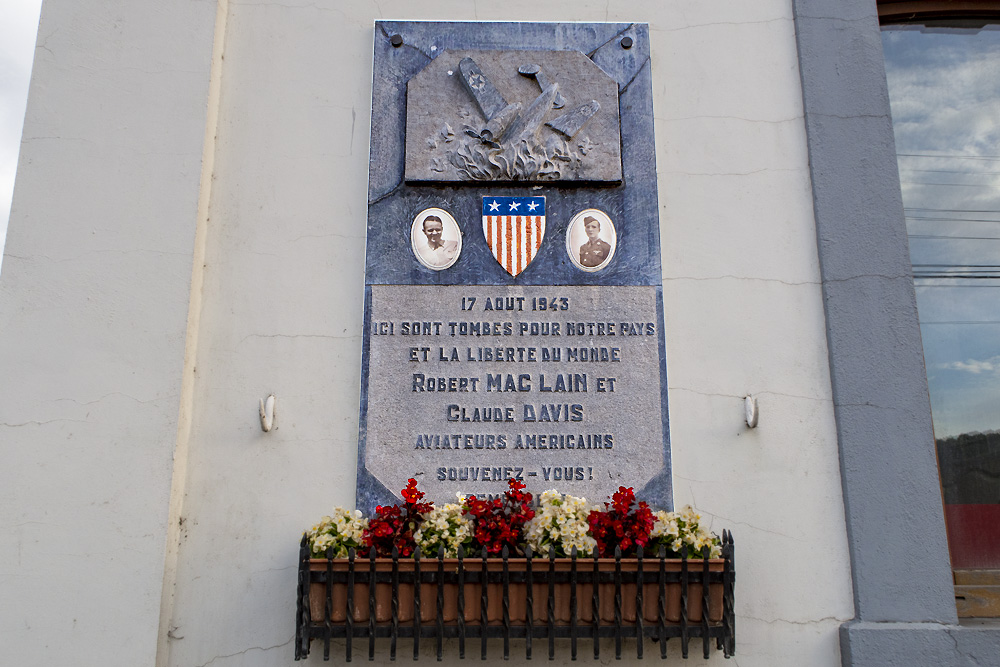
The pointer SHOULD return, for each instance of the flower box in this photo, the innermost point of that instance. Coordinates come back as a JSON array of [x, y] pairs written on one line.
[[540, 597], [517, 591], [685, 591]]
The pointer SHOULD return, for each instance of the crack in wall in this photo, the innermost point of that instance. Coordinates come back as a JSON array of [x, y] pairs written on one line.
[[117, 393], [777, 121], [43, 423], [752, 172], [740, 397], [951, 635], [837, 19], [810, 621], [326, 236], [327, 336], [713, 24], [882, 276], [853, 116], [310, 5], [743, 278], [758, 529], [121, 251], [245, 651]]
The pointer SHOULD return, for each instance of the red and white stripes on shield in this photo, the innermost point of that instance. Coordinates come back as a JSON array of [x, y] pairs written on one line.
[[514, 239]]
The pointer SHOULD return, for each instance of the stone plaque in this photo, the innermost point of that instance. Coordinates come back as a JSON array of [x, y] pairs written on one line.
[[513, 307], [557, 386]]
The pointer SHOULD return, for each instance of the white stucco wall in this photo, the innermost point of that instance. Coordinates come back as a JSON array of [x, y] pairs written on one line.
[[93, 308], [277, 308]]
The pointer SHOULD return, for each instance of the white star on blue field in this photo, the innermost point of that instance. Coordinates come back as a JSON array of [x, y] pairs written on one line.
[[534, 206]]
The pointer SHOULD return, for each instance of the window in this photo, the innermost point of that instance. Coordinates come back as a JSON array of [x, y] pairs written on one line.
[[942, 61]]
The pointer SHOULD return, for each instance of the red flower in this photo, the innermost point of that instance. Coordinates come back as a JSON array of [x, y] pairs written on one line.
[[499, 522], [393, 525], [623, 523]]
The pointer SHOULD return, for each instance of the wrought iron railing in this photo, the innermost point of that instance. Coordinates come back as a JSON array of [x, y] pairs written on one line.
[[524, 598]]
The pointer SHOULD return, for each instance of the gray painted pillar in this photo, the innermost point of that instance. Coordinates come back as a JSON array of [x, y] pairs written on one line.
[[903, 592], [895, 519]]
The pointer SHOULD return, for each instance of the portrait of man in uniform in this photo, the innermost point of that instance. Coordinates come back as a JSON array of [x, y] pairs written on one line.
[[436, 239], [591, 240], [595, 250]]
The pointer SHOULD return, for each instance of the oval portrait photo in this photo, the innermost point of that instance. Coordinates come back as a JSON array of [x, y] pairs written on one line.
[[436, 239], [591, 239]]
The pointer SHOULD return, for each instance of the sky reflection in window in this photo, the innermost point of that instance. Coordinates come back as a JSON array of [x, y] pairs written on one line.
[[944, 88]]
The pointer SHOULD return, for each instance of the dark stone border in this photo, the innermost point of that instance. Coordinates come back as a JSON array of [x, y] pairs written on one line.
[[404, 48], [903, 593]]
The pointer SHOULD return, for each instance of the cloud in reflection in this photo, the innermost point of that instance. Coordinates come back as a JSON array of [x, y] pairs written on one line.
[[974, 366], [945, 92]]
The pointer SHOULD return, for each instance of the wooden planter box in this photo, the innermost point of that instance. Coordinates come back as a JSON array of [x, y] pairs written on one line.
[[516, 598], [517, 592]]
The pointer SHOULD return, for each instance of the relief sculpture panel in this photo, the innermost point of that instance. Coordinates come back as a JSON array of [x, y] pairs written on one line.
[[535, 116]]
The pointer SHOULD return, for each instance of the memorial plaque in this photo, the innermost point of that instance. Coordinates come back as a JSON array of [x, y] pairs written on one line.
[[513, 308]]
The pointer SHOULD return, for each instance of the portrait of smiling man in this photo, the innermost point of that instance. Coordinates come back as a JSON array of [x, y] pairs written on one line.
[[440, 246]]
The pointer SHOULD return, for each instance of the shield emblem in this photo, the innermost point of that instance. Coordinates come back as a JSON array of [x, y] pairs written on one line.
[[514, 227]]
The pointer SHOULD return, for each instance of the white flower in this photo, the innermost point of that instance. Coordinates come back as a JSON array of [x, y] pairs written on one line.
[[689, 515], [342, 530], [444, 526], [665, 525], [681, 531], [560, 522]]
